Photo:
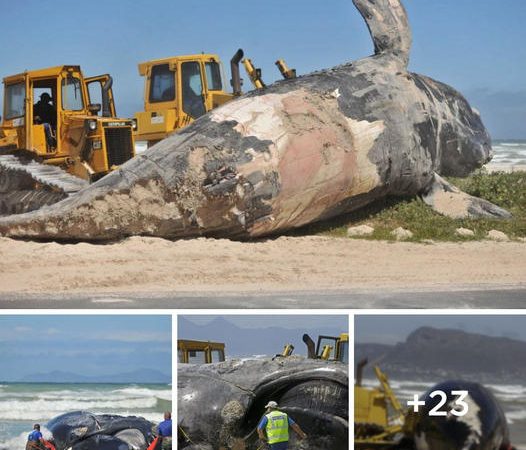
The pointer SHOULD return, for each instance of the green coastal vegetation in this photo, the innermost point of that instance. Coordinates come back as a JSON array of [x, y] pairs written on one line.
[[507, 190]]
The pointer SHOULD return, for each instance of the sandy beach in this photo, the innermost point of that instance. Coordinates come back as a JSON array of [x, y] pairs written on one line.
[[141, 264]]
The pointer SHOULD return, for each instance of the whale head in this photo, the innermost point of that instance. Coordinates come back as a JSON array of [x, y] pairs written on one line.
[[466, 144], [453, 133]]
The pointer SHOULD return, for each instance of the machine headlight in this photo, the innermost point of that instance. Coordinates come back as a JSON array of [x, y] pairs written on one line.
[[134, 124], [91, 125]]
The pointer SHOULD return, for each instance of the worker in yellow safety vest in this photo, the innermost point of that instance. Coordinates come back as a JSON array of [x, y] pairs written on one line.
[[275, 424]]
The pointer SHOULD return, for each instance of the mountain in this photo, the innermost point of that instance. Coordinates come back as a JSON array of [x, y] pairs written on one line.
[[251, 341], [136, 376], [430, 353]]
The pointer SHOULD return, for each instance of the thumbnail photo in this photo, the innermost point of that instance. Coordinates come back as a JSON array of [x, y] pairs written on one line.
[[85, 382], [255, 382], [443, 382]]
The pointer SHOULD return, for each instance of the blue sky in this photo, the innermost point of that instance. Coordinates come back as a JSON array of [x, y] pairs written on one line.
[[83, 344], [475, 45], [390, 329], [287, 321]]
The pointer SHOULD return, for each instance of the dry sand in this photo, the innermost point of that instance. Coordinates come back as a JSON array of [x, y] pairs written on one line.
[[142, 264]]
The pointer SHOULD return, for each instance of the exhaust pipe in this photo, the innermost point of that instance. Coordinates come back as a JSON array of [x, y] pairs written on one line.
[[235, 82], [106, 111], [311, 346], [359, 371]]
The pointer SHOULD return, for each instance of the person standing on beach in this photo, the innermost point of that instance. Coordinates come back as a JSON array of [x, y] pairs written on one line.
[[35, 441], [274, 428], [164, 430]]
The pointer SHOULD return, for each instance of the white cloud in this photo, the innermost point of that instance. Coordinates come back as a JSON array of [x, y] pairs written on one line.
[[22, 329], [52, 331]]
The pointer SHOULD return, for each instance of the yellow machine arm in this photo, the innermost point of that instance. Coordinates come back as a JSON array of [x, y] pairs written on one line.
[[253, 73], [326, 352], [287, 350], [285, 71], [389, 394]]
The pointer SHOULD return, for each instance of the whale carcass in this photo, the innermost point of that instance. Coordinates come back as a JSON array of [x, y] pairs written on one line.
[[81, 430], [299, 151], [220, 404]]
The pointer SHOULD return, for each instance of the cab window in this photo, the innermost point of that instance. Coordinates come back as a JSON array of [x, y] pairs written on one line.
[[95, 93], [213, 76], [193, 102], [162, 84], [344, 351], [15, 96], [72, 94], [196, 357], [217, 356], [324, 341]]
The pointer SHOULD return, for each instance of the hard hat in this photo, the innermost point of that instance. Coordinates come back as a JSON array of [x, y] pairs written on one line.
[[271, 404], [45, 97]]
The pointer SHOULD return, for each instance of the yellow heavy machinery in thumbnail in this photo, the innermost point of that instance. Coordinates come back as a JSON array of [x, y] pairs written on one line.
[[379, 418], [200, 352], [55, 138], [329, 348]]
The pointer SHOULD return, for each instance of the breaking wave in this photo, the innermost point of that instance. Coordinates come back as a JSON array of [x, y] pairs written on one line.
[[508, 154]]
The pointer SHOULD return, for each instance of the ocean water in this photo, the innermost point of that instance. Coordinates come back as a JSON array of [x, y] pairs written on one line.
[[509, 153], [512, 398], [23, 404]]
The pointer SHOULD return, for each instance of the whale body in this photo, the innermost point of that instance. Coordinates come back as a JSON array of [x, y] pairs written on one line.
[[82, 430]]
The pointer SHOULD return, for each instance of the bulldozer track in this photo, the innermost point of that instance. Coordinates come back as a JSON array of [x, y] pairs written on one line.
[[26, 184]]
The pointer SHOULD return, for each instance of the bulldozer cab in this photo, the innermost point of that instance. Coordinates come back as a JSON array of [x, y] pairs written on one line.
[[52, 114], [334, 348], [100, 94], [35, 103], [177, 91], [200, 352]]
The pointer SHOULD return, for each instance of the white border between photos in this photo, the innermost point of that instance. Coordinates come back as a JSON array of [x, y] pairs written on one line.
[[351, 313]]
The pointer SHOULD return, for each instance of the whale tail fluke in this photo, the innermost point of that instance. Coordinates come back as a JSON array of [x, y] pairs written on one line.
[[389, 27]]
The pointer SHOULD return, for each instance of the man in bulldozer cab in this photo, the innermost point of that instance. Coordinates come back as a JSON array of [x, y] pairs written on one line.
[[45, 113]]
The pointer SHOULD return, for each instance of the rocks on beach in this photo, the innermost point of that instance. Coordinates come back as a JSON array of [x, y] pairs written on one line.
[[360, 230], [498, 236], [464, 232], [401, 234]]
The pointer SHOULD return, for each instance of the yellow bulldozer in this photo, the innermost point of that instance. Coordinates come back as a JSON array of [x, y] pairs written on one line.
[[380, 421], [200, 352], [329, 348], [55, 137], [180, 89]]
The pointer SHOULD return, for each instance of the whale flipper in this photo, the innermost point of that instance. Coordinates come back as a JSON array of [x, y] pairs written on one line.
[[450, 201], [389, 27]]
